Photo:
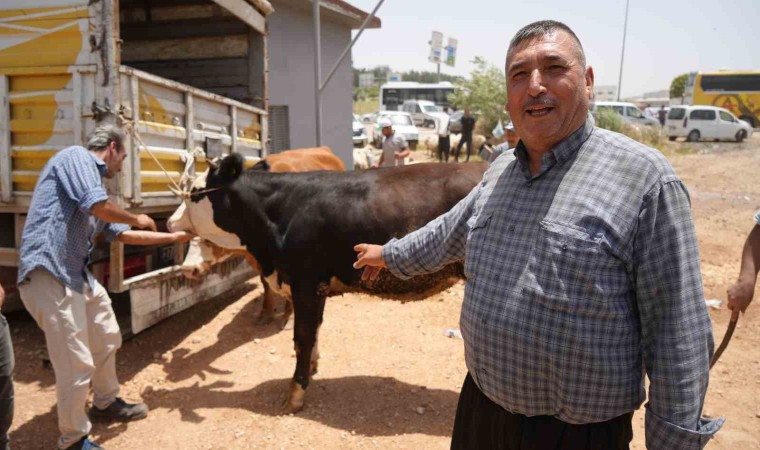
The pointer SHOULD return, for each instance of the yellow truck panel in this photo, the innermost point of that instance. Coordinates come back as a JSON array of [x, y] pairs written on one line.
[[67, 66]]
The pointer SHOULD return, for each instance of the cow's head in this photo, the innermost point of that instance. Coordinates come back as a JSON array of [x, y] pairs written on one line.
[[196, 213]]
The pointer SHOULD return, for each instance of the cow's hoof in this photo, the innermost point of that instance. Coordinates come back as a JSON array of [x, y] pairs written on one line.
[[264, 319], [294, 403]]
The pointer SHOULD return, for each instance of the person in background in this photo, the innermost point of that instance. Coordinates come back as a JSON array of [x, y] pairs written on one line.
[[468, 125], [490, 154], [740, 294], [662, 115], [69, 209], [7, 363], [582, 275], [395, 148], [444, 140]]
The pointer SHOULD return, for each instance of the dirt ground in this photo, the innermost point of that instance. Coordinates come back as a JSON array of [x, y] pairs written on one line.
[[388, 377]]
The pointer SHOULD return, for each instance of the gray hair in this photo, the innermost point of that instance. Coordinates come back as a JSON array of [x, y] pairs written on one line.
[[544, 28], [102, 136]]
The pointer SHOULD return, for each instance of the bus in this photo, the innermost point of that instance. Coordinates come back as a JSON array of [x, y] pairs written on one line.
[[736, 91], [393, 94]]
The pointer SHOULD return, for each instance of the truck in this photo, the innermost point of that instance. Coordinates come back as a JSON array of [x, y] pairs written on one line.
[[181, 77]]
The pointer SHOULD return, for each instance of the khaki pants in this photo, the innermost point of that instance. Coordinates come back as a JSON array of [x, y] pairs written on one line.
[[82, 337]]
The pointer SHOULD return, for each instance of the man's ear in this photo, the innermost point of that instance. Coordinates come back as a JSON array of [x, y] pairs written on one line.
[[590, 82]]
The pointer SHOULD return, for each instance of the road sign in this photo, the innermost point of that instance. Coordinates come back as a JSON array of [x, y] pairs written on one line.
[[451, 52], [436, 47]]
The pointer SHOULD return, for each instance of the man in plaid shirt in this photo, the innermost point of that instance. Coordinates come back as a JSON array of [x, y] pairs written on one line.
[[582, 274]]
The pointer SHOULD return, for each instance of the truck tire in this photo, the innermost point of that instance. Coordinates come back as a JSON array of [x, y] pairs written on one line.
[[693, 136]]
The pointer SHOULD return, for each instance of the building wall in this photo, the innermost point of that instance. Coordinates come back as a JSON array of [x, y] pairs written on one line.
[[605, 93], [291, 79]]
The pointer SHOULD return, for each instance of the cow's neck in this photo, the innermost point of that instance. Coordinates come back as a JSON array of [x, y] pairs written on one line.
[[244, 216]]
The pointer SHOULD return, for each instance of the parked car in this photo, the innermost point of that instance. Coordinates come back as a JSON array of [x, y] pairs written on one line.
[[369, 117], [455, 121], [705, 122], [628, 111], [402, 125], [424, 112], [360, 133]]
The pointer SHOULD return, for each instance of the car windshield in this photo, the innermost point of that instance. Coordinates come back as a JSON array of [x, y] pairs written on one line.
[[430, 108], [400, 119], [616, 108], [356, 119], [634, 112], [456, 115]]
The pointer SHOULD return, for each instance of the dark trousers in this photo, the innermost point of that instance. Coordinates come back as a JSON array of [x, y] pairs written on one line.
[[466, 138], [444, 147], [7, 362], [481, 424]]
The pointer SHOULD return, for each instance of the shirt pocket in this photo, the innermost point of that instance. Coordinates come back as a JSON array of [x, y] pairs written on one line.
[[476, 237], [567, 271]]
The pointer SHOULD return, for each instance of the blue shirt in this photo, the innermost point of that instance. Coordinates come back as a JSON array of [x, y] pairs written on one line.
[[581, 279], [59, 229]]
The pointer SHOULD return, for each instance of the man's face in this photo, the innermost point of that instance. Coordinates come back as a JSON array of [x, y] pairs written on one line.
[[548, 89], [387, 131], [115, 158]]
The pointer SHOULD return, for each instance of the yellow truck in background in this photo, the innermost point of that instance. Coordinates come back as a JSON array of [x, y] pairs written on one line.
[[184, 76]]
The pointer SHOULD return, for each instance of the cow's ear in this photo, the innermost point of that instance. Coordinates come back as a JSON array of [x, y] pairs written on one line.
[[231, 167], [262, 166]]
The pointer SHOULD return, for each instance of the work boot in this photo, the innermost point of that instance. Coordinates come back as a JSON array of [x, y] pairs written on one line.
[[119, 411], [84, 444]]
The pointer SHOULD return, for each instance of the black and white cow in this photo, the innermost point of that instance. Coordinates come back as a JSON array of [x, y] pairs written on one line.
[[302, 227]]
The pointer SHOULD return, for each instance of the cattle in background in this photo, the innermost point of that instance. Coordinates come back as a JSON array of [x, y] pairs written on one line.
[[302, 227], [203, 253]]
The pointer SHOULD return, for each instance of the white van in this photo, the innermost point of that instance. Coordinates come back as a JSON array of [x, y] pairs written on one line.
[[705, 122], [628, 111], [424, 112]]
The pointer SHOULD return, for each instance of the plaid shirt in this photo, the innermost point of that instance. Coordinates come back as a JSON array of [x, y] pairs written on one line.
[[579, 280], [59, 229]]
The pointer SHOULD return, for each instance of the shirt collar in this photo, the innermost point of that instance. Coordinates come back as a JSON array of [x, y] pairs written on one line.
[[561, 152], [99, 163]]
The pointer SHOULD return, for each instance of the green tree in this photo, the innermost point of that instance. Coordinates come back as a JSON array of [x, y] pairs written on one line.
[[485, 93], [678, 86]]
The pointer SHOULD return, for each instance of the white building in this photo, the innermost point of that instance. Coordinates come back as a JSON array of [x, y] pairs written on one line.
[[292, 115], [605, 93]]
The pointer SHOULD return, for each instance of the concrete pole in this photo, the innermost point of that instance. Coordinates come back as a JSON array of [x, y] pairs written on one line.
[[317, 70], [622, 52]]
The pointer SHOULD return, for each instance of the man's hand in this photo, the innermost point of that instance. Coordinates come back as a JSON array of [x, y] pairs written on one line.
[[370, 257], [144, 222], [740, 295]]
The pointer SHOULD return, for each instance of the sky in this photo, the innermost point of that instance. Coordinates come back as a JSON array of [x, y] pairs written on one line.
[[665, 38]]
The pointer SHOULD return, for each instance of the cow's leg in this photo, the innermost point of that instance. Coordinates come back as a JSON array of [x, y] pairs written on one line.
[[267, 313], [286, 322], [267, 308], [309, 305]]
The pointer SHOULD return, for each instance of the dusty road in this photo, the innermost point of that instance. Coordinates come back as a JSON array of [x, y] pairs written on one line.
[[388, 378]]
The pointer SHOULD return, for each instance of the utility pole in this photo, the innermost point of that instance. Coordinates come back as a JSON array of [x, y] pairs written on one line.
[[622, 52]]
